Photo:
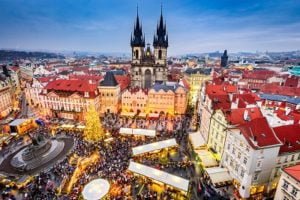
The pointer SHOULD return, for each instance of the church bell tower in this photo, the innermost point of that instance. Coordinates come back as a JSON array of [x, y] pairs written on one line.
[[160, 42], [137, 41]]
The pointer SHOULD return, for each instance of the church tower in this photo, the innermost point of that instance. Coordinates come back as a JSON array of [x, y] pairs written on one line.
[[148, 67], [137, 41], [160, 42]]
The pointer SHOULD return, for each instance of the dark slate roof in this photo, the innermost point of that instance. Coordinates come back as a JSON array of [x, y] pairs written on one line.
[[205, 71], [165, 87], [275, 97], [109, 80]]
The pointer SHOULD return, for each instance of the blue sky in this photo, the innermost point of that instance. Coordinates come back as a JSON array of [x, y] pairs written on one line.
[[193, 26]]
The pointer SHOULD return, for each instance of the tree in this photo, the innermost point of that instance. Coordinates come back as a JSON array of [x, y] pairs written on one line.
[[93, 131]]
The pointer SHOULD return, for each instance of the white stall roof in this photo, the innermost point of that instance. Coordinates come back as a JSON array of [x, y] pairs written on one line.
[[154, 115], [218, 175], [141, 132], [207, 158], [145, 132], [96, 189], [196, 139], [126, 131], [80, 126], [158, 175], [17, 122], [67, 126], [154, 146], [127, 114]]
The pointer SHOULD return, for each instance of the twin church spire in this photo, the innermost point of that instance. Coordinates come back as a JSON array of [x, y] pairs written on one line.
[[160, 38]]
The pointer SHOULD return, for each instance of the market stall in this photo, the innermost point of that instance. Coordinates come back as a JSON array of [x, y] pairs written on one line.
[[219, 176], [152, 147]]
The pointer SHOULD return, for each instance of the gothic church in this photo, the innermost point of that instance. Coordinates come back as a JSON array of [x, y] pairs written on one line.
[[149, 67]]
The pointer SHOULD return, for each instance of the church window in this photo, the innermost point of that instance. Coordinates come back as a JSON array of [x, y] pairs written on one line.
[[136, 54], [136, 73], [159, 54]]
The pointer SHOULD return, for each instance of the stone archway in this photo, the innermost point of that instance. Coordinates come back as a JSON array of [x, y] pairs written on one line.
[[148, 81]]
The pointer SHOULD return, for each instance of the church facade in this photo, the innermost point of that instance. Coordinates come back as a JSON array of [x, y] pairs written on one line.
[[149, 67]]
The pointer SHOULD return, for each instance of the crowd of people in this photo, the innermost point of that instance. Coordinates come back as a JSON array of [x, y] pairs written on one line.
[[114, 157]]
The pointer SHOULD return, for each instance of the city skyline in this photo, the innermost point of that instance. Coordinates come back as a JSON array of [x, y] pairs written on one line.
[[194, 27]]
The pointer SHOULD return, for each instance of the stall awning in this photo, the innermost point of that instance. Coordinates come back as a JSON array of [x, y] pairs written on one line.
[[145, 132], [196, 140], [154, 146], [207, 158], [17, 122], [153, 115], [161, 176], [67, 126], [80, 127], [128, 114], [219, 176], [143, 115], [139, 132]]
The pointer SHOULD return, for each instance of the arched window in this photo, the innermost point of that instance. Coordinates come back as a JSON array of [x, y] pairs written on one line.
[[159, 54], [137, 54]]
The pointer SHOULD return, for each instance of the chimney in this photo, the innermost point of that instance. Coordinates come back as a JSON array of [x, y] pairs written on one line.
[[246, 115], [287, 110], [5, 71]]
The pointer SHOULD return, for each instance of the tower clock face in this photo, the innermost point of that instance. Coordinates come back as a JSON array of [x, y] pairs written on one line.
[[148, 53]]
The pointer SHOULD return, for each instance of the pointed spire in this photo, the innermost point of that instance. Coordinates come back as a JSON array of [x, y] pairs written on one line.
[[161, 30], [138, 38]]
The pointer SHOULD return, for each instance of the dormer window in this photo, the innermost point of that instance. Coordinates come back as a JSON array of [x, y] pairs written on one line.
[[86, 94]]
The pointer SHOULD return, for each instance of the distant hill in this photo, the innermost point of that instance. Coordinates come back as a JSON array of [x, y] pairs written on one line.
[[11, 55]]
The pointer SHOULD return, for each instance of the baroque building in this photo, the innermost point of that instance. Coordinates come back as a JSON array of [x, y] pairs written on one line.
[[149, 67]]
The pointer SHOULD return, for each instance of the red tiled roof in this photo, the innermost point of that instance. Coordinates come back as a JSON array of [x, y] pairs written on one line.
[[71, 86], [258, 74], [95, 78], [123, 81], [186, 84], [236, 116], [258, 133], [46, 79], [292, 81], [247, 98], [281, 90], [220, 89], [289, 135], [294, 171]]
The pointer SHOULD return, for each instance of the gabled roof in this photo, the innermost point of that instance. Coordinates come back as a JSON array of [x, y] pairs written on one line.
[[123, 81], [293, 171], [109, 80], [166, 87], [289, 135], [259, 134], [71, 86], [236, 116]]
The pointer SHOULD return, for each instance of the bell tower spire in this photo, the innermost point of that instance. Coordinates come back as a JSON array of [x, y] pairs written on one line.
[[160, 40], [137, 40]]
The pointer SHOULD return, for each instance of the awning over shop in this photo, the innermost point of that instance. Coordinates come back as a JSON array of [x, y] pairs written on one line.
[[207, 158], [196, 140], [219, 176], [18, 122], [139, 132], [153, 115], [128, 114], [154, 146], [145, 132], [158, 175], [143, 115], [67, 126], [80, 127]]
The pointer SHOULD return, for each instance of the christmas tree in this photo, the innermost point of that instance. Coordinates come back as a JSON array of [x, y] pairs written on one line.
[[93, 129]]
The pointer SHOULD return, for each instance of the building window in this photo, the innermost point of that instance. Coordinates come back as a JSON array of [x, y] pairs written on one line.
[[258, 164], [242, 173], [228, 146], [239, 155], [159, 54], [294, 191], [255, 178], [245, 160], [285, 185]]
